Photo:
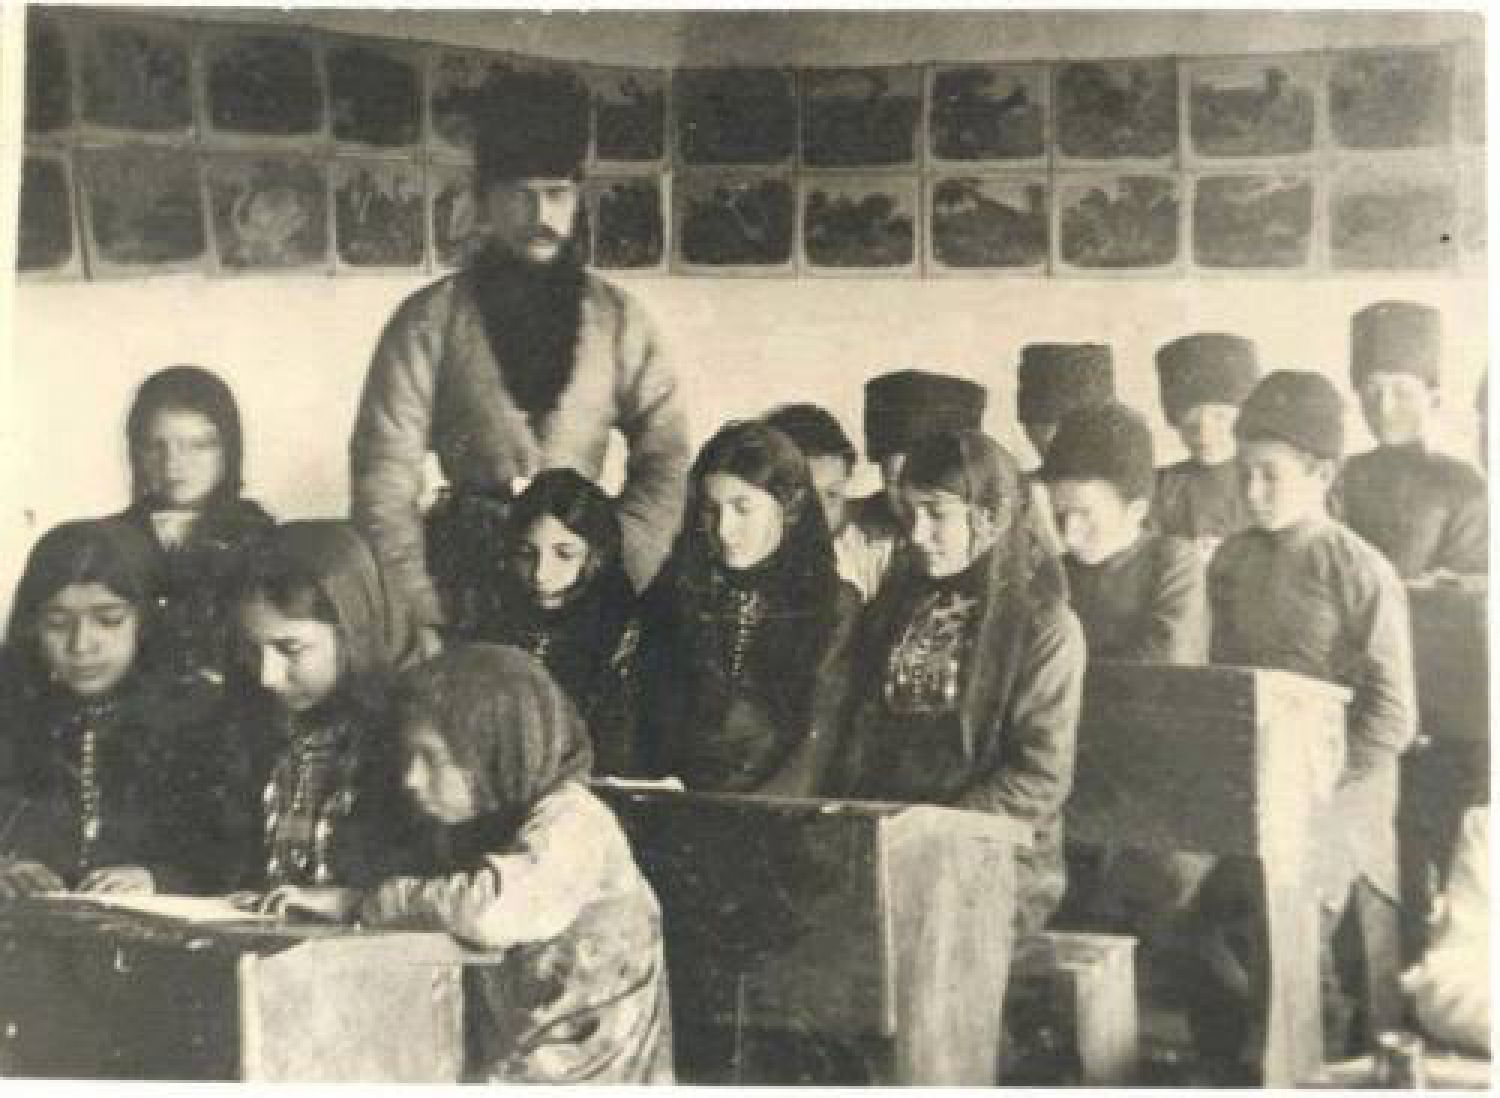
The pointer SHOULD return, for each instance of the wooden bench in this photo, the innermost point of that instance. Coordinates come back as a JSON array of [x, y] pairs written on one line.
[[1071, 1001]]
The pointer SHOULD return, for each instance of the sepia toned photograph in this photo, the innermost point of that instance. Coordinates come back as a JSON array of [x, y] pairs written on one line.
[[143, 209], [1253, 221], [865, 223], [747, 547], [1253, 109], [990, 222], [269, 212], [374, 95], [988, 112], [1122, 222], [135, 78]]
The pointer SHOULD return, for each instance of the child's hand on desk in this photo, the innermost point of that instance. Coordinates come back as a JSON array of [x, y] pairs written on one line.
[[118, 878], [322, 901], [21, 878]]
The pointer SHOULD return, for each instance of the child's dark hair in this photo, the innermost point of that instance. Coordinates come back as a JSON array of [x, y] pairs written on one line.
[[814, 430], [760, 455], [288, 585], [576, 502], [188, 389], [109, 552]]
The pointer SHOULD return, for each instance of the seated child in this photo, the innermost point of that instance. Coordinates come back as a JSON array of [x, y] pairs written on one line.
[[901, 408], [968, 670], [1204, 378], [745, 634], [1138, 596], [1425, 511], [561, 594], [1299, 592], [100, 781], [319, 782], [528, 863], [186, 453]]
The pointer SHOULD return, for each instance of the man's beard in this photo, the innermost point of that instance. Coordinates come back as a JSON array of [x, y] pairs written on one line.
[[531, 315]]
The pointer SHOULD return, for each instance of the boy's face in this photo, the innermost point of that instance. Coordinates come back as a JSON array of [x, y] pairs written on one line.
[[88, 637], [1207, 430], [438, 786], [1094, 520], [182, 457], [1282, 484], [532, 219], [830, 478], [1397, 407]]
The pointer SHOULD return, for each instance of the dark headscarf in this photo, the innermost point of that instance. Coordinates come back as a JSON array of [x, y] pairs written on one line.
[[378, 633], [109, 552], [503, 720], [188, 389]]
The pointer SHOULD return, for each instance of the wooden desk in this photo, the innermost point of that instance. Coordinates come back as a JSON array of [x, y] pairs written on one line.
[[1448, 770], [92, 993], [884, 927], [1228, 761]]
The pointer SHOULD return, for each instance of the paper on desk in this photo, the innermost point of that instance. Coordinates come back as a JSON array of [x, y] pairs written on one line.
[[188, 909], [642, 785]]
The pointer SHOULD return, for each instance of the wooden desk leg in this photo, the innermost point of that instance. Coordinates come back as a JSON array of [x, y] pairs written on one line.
[[1289, 949]]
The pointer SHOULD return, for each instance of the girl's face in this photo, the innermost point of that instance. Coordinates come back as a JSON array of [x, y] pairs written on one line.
[[549, 561], [947, 532], [182, 457], [745, 523], [89, 637], [438, 786], [299, 659]]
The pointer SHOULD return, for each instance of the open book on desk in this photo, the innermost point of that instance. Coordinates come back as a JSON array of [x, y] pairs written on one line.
[[188, 909]]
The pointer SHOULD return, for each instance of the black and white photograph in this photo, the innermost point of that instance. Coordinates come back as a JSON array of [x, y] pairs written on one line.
[[744, 547]]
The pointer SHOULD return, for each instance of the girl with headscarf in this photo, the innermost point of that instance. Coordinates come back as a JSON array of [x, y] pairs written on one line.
[[972, 662], [561, 594], [321, 798], [186, 456], [745, 634], [528, 863], [105, 781]]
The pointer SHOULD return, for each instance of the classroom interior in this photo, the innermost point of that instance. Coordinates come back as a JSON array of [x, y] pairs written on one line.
[[295, 347]]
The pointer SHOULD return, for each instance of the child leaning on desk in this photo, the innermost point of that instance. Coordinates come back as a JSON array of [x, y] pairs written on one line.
[[100, 766], [524, 862]]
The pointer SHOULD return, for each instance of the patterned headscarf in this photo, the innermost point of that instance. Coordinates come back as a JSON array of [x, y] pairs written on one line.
[[503, 720]]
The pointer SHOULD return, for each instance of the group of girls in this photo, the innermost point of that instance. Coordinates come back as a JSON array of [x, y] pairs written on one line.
[[199, 700]]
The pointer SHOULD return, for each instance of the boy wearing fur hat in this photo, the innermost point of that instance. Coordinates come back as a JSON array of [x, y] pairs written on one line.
[[1426, 511], [1203, 378], [901, 408], [1139, 596], [1297, 591], [521, 362], [1055, 378]]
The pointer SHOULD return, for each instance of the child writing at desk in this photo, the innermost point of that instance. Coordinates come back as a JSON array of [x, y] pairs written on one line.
[[100, 767], [318, 778], [525, 862]]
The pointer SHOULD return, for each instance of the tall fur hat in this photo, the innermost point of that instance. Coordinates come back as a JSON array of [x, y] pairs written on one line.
[[907, 405], [1055, 378], [530, 125], [1205, 368]]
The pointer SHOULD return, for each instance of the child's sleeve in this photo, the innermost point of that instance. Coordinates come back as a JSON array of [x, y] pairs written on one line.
[[1383, 713], [529, 892], [1177, 627]]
